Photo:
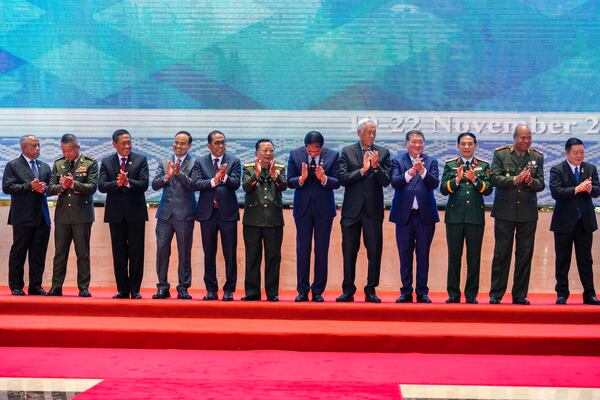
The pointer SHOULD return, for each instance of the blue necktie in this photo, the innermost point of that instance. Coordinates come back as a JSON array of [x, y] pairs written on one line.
[[576, 174], [34, 168]]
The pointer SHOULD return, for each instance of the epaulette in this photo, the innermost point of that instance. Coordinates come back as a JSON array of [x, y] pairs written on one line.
[[58, 159], [451, 159], [89, 157], [503, 148], [249, 165], [279, 165], [482, 160], [536, 150]]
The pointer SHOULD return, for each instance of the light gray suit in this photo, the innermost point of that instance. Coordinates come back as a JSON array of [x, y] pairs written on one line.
[[175, 215]]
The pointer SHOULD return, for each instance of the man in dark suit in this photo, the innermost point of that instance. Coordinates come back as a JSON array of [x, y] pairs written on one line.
[[25, 179], [465, 181], [364, 172], [313, 170], [263, 182], [175, 216], [74, 179], [517, 173], [124, 178], [573, 184], [414, 210], [217, 177]]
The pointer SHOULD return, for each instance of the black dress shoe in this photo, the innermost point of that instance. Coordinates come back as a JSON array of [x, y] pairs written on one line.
[[453, 299], [210, 295], [273, 298], [136, 295], [251, 297], [317, 298], [521, 300], [423, 299], [591, 300], [54, 292], [227, 296], [84, 293], [494, 300], [472, 300], [183, 294], [404, 298], [121, 295], [372, 298], [561, 300], [345, 298], [17, 292], [301, 298], [161, 294], [36, 292]]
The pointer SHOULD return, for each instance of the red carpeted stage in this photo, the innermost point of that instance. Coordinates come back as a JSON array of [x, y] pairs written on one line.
[[172, 348]]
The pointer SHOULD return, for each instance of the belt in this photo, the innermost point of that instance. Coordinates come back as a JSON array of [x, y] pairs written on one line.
[[414, 211]]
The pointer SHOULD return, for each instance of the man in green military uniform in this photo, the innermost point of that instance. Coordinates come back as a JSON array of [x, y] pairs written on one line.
[[74, 179], [465, 181], [517, 173], [263, 182]]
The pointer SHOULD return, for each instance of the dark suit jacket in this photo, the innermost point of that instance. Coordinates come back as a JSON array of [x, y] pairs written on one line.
[[562, 188], [223, 193], [124, 204], [321, 194], [25, 204], [178, 197], [421, 188], [363, 191]]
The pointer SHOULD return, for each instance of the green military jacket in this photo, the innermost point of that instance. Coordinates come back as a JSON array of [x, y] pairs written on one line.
[[76, 205], [263, 205], [465, 202], [516, 203]]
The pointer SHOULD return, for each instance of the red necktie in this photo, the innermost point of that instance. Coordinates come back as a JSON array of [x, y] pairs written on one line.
[[123, 159]]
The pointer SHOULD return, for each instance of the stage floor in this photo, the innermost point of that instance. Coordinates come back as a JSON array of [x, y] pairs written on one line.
[[542, 276]]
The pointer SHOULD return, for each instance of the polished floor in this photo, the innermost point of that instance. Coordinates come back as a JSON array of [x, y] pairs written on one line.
[[542, 275]]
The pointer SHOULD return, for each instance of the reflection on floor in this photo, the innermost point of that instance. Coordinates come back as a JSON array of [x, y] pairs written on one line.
[[43, 388], [456, 392]]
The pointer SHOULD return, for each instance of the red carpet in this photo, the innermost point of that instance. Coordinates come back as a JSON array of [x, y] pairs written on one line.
[[197, 374], [542, 329]]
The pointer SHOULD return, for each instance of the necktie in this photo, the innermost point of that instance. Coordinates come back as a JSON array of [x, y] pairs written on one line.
[[467, 165], [313, 166], [577, 174], [123, 163], [72, 164], [34, 169], [216, 164]]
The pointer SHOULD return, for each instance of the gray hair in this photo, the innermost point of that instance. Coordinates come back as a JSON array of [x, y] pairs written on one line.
[[361, 124], [25, 137], [519, 126]]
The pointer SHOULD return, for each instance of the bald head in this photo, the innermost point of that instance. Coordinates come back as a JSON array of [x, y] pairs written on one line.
[[522, 138]]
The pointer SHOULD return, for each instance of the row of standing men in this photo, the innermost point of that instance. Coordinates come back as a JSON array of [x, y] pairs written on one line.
[[314, 171]]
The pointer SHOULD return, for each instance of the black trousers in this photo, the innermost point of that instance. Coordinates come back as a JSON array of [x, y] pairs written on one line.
[[228, 229], [254, 240], [505, 233], [127, 240], [79, 234], [456, 236], [373, 240], [563, 248], [32, 242]]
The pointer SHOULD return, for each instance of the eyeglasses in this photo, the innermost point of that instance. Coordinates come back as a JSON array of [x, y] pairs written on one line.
[[219, 143]]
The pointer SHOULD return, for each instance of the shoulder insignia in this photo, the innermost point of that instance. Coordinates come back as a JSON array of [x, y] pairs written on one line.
[[249, 165], [59, 159], [89, 157], [451, 159], [536, 150], [482, 160], [279, 165], [503, 148]]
